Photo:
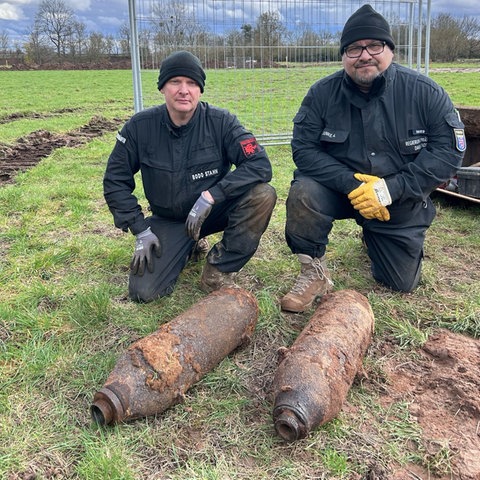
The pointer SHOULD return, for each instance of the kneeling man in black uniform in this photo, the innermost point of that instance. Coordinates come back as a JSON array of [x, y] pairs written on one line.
[[370, 142], [202, 173]]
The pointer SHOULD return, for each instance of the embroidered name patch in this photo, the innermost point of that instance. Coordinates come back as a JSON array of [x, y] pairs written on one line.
[[416, 144], [418, 131], [249, 146], [328, 134], [205, 174], [460, 140]]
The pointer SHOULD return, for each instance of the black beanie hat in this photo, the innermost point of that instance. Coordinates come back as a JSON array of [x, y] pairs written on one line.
[[363, 24], [181, 64]]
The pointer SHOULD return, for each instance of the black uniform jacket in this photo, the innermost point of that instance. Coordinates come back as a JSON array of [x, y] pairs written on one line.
[[405, 130], [178, 163]]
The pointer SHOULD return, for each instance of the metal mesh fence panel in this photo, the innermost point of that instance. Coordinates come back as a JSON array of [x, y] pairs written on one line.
[[268, 51]]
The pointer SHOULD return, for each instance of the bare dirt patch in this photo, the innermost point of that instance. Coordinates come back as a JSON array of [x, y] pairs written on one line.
[[456, 69], [29, 150], [441, 386], [19, 115]]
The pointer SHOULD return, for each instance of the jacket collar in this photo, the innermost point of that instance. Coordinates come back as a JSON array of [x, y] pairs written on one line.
[[380, 84], [183, 129]]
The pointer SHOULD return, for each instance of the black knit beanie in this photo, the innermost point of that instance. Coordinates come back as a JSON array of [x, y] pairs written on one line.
[[181, 64], [366, 23]]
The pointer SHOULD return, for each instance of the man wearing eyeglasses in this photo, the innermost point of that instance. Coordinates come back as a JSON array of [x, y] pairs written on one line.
[[370, 142]]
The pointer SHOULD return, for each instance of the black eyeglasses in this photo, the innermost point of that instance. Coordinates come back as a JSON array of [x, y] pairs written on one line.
[[373, 49]]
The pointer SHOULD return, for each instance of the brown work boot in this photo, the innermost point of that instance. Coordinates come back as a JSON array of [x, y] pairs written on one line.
[[213, 279], [313, 282], [200, 250]]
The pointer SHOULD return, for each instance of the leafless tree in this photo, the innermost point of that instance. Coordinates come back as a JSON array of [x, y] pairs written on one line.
[[55, 20], [109, 44], [78, 38], [471, 27], [233, 43], [175, 26], [453, 38], [269, 32], [95, 46], [124, 38], [4, 42], [36, 51]]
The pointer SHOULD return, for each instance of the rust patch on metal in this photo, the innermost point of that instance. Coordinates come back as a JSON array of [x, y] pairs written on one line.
[[159, 351]]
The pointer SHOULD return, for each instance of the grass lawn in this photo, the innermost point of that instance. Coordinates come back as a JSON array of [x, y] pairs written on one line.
[[65, 318]]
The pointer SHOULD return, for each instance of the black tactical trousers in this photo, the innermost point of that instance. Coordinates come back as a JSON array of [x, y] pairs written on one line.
[[395, 247], [243, 222]]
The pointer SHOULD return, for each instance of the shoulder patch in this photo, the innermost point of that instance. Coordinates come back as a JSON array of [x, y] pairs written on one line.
[[249, 146], [120, 138], [460, 140]]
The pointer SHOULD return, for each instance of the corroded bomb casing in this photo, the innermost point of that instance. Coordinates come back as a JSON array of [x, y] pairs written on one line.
[[314, 375], [156, 371]]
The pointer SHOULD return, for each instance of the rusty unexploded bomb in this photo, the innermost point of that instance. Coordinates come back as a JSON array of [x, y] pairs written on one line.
[[155, 371], [314, 375]]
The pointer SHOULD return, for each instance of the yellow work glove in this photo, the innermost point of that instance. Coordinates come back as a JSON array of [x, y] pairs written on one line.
[[371, 197]]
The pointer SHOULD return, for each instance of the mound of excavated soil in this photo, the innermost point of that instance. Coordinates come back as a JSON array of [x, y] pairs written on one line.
[[442, 388]]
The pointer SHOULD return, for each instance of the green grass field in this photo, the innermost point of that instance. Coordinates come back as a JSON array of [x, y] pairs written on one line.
[[65, 319]]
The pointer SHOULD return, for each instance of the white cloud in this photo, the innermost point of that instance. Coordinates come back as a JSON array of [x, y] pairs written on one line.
[[111, 21], [467, 7], [10, 12], [21, 2], [79, 5]]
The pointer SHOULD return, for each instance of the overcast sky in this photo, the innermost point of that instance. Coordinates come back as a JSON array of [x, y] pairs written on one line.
[[106, 16]]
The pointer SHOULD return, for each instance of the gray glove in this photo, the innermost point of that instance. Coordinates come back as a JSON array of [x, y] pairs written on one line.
[[199, 212], [145, 242]]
